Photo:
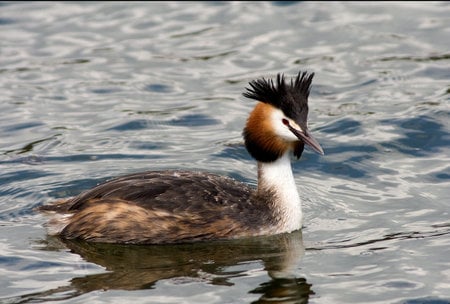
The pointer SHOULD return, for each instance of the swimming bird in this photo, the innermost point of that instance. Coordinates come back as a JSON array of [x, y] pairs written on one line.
[[176, 206]]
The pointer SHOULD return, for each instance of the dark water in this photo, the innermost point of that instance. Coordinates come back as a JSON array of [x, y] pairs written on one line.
[[92, 91]]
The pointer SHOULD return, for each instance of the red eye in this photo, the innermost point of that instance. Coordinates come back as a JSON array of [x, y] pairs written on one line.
[[285, 122]]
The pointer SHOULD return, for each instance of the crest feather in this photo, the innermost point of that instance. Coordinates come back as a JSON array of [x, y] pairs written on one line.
[[290, 97]]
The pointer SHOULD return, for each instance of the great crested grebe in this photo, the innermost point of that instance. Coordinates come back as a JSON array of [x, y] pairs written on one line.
[[157, 207]]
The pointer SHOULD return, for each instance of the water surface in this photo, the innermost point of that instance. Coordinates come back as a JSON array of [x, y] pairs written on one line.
[[92, 91]]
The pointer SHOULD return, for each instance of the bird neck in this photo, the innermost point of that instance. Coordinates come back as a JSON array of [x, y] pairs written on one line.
[[276, 181]]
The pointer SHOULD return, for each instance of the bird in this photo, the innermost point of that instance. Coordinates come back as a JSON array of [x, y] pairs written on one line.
[[179, 206]]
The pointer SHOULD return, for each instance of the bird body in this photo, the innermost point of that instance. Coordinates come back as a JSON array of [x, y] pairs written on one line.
[[157, 207]]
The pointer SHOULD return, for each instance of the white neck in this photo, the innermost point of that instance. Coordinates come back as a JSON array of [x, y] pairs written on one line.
[[276, 177]]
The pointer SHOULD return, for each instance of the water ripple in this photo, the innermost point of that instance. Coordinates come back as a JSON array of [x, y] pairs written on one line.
[[94, 91]]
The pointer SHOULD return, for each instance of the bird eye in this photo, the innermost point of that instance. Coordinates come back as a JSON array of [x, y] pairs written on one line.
[[285, 122]]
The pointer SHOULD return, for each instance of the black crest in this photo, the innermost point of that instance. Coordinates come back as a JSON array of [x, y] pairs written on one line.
[[291, 97]]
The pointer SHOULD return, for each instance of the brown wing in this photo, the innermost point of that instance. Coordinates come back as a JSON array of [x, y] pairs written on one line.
[[164, 207], [170, 190]]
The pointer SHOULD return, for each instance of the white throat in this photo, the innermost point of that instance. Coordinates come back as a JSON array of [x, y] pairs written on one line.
[[276, 177]]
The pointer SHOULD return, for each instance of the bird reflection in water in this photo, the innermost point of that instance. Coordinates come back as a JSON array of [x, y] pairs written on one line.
[[134, 267]]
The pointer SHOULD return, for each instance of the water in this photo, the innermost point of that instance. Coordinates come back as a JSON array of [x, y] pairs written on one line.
[[92, 91]]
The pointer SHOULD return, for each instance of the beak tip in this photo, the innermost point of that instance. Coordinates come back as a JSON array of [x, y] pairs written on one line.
[[319, 150]]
